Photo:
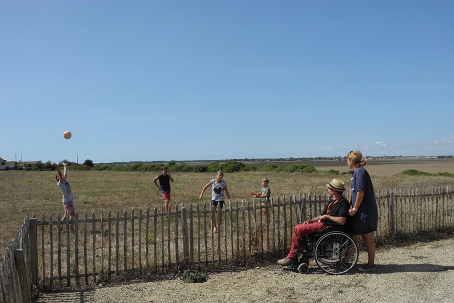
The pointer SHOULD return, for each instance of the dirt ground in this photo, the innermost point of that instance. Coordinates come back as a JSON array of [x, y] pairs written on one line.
[[422, 272]]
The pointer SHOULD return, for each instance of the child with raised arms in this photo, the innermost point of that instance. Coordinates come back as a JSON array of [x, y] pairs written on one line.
[[218, 187], [68, 196]]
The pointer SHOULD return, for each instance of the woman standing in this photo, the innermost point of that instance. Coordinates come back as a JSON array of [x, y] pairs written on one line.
[[364, 207]]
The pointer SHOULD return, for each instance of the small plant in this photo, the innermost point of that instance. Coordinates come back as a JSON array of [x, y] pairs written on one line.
[[193, 276], [150, 237], [29, 180]]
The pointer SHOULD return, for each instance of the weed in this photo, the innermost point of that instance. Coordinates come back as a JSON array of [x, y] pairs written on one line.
[[29, 180], [193, 276], [150, 237]]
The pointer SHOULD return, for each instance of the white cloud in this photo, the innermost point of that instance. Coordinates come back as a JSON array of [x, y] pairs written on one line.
[[381, 144], [444, 140]]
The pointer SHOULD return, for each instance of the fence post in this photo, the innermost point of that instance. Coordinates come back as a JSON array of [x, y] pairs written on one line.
[[4, 287], [184, 231], [33, 233], [392, 213], [19, 259], [303, 209]]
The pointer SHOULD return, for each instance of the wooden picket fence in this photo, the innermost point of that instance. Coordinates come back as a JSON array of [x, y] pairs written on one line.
[[19, 266], [46, 254]]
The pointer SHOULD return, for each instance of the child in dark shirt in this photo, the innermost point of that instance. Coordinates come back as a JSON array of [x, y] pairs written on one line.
[[164, 186]]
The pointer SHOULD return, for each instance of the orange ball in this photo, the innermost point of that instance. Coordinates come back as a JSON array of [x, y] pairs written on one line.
[[67, 135]]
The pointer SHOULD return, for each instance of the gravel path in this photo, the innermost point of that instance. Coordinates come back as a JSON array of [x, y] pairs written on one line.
[[422, 272]]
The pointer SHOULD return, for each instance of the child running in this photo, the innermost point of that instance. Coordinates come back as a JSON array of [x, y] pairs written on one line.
[[217, 196], [264, 196], [164, 186], [68, 196]]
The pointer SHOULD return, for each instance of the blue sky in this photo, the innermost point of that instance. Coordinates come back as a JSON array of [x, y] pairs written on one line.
[[163, 80]]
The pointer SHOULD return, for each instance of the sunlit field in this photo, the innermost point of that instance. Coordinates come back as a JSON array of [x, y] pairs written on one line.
[[31, 192]]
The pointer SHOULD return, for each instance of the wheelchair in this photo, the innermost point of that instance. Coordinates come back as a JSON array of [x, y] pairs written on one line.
[[329, 248]]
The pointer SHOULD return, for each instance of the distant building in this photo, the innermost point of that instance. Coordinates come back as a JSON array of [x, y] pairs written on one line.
[[27, 163], [4, 164]]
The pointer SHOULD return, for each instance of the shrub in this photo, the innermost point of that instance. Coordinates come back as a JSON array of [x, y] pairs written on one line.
[[233, 166], [193, 276], [150, 167], [214, 167], [48, 166], [89, 163], [249, 168], [38, 165], [414, 172], [331, 171], [101, 167], [180, 168], [268, 167], [199, 168], [135, 167], [82, 167], [445, 174], [119, 168]]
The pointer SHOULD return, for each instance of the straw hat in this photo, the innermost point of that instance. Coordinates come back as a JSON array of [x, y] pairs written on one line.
[[336, 185]]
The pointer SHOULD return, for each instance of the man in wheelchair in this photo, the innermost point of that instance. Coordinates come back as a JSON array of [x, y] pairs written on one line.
[[334, 214]]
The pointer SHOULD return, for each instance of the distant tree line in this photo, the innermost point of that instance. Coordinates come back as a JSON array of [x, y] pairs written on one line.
[[228, 167], [47, 166]]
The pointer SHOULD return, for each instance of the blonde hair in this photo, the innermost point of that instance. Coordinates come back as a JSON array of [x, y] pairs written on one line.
[[220, 173], [357, 157]]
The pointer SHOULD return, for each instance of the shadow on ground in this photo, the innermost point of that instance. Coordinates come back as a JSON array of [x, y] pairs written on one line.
[[390, 268]]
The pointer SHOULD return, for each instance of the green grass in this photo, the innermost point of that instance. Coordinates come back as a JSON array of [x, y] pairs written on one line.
[[104, 190]]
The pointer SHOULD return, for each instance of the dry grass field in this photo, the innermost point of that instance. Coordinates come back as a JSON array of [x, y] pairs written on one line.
[[36, 192]]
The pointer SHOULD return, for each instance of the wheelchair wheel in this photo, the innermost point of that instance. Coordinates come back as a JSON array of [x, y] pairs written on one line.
[[331, 251], [303, 268]]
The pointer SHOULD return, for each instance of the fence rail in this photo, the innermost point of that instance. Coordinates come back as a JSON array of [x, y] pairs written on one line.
[[46, 254]]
